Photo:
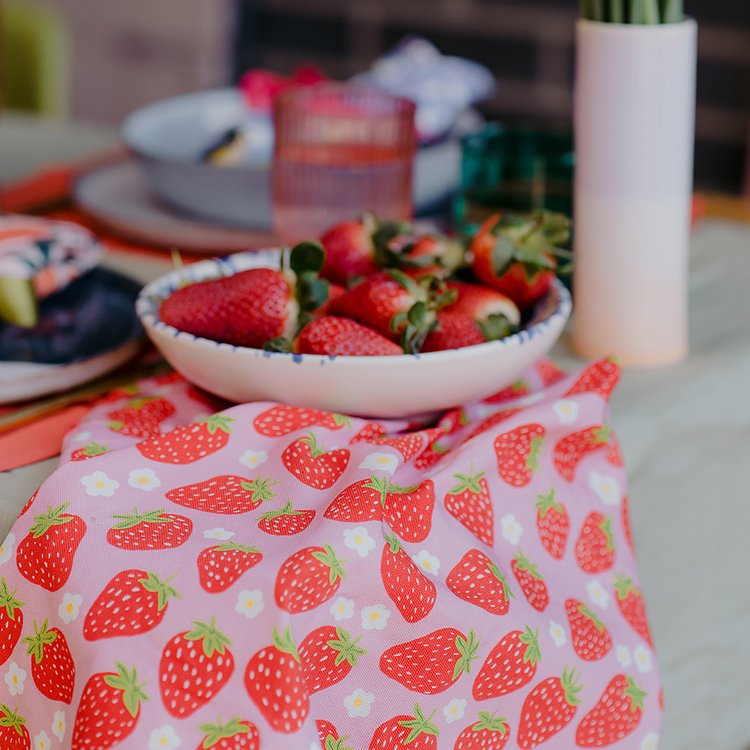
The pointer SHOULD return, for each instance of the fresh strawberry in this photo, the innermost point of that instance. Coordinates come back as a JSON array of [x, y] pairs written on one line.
[[350, 250], [312, 464], [275, 681], [396, 306], [407, 586], [141, 417], [285, 521], [515, 390], [553, 524], [491, 421], [52, 665], [13, 732], [595, 546], [227, 494], [548, 709], [496, 314], [477, 580], [45, 555], [190, 443], [614, 453], [517, 453], [416, 732], [235, 734], [407, 445], [108, 710], [549, 372], [469, 502], [11, 620], [282, 420], [427, 255], [327, 655], [517, 255], [509, 666], [453, 331], [308, 578], [633, 607], [432, 663], [626, 527], [133, 602], [615, 715], [254, 307], [572, 449], [223, 564], [530, 579], [589, 635], [343, 337], [407, 510], [90, 450], [600, 377], [194, 666], [153, 529], [489, 733]]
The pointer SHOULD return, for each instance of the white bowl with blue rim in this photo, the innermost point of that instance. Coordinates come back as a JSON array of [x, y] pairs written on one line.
[[382, 387]]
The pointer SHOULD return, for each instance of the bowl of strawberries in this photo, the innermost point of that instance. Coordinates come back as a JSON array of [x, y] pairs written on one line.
[[375, 319]]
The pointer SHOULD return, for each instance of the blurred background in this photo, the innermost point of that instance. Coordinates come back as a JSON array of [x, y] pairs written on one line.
[[104, 60]]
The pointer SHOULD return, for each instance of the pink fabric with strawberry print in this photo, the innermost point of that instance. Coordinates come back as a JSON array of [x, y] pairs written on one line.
[[272, 577]]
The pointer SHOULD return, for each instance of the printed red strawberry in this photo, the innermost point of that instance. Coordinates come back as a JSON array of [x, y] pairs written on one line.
[[11, 620], [194, 666], [285, 521], [548, 709], [553, 524], [235, 734], [45, 555], [153, 529], [489, 733], [469, 502], [109, 709], [549, 372], [227, 494], [282, 420], [509, 666], [626, 527], [453, 331], [395, 306], [326, 730], [190, 443], [206, 399], [515, 390], [13, 732], [308, 578], [517, 255], [595, 546], [327, 655], [275, 681], [517, 453], [432, 663], [615, 715], [530, 579], [90, 450], [52, 665], [600, 377], [350, 250], [633, 607], [223, 564], [614, 453], [492, 420], [496, 315], [416, 732], [407, 510], [431, 455], [589, 635], [312, 464], [410, 590], [254, 307], [133, 601], [140, 417], [407, 445], [573, 448], [343, 337], [477, 580]]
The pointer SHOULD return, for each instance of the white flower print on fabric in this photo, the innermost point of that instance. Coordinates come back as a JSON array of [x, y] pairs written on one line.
[[164, 738], [375, 617], [642, 659], [380, 462], [342, 609], [512, 530], [42, 741], [15, 678], [597, 593], [359, 703], [359, 540], [566, 411], [218, 533], [427, 562], [99, 484], [249, 603], [143, 479], [455, 710], [622, 654], [253, 459], [58, 725], [605, 488], [69, 607], [6, 548], [650, 741], [557, 633]]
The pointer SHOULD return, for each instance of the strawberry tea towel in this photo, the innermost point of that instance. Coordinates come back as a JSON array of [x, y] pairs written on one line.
[[274, 577]]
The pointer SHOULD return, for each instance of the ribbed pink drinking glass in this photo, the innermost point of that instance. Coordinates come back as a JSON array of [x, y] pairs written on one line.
[[340, 150]]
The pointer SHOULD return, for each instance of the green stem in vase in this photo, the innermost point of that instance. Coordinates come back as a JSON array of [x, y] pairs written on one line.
[[592, 10], [644, 12], [672, 11], [617, 11]]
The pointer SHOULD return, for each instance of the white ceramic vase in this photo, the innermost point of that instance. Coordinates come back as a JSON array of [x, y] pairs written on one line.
[[634, 131]]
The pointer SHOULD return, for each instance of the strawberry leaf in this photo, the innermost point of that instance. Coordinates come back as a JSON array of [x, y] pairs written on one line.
[[530, 639], [127, 682], [467, 647], [284, 642], [162, 589], [328, 557], [635, 694], [419, 725], [11, 719], [213, 640], [8, 600], [42, 637], [307, 256], [215, 733], [347, 649], [53, 517], [571, 687], [488, 722]]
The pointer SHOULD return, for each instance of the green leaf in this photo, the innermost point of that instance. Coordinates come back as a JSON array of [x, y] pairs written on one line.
[[284, 642], [8, 600], [635, 694], [467, 483], [467, 648], [307, 256], [162, 589], [42, 637], [261, 487], [488, 722], [11, 719], [347, 649], [212, 639], [419, 725], [215, 733], [496, 326], [328, 557], [530, 639], [571, 687], [150, 516], [132, 691], [53, 517], [279, 344]]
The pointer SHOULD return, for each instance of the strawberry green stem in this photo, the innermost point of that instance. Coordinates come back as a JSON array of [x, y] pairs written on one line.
[[11, 719], [530, 638], [419, 725], [467, 647], [488, 722], [347, 649], [8, 600], [525, 564], [162, 589], [217, 423], [547, 502], [287, 510], [635, 694], [212, 638], [261, 487], [328, 557], [467, 483], [150, 516], [624, 587], [215, 733], [42, 637], [571, 687], [507, 593], [132, 691], [586, 612], [285, 644], [53, 517]]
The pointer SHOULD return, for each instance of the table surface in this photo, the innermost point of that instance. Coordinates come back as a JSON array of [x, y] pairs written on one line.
[[685, 432]]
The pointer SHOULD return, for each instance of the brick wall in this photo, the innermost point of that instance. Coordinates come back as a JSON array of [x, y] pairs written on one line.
[[528, 44]]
